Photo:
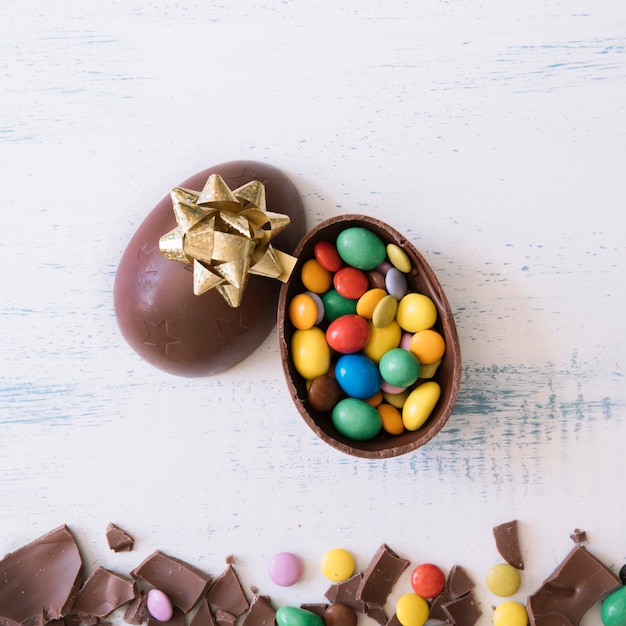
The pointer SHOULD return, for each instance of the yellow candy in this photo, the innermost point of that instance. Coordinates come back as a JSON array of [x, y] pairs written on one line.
[[368, 301], [412, 610], [416, 312], [381, 340], [385, 312], [310, 353], [428, 371], [510, 613], [399, 258], [503, 580], [420, 404], [391, 418], [315, 278], [428, 346], [396, 399], [337, 565], [302, 311]]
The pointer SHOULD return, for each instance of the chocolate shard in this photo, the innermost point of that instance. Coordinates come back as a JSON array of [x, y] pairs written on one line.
[[227, 594], [203, 616], [459, 581], [183, 584], [39, 581], [507, 543], [394, 621], [462, 611], [261, 613], [345, 593], [224, 618], [377, 613], [578, 536], [317, 607], [118, 539], [381, 575], [177, 619], [571, 590], [103, 592], [136, 610], [436, 610]]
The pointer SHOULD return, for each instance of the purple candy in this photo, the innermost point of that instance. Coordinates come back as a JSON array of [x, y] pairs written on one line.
[[159, 605], [285, 569]]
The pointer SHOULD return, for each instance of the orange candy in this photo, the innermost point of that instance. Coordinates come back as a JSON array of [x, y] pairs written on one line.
[[428, 346], [391, 419], [302, 311], [315, 278]]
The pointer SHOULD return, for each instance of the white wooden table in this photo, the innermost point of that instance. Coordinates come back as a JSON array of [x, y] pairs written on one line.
[[491, 133]]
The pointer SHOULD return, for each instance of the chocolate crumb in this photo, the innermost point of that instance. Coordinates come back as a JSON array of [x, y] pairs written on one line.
[[462, 611], [571, 590], [227, 594], [118, 539], [103, 592], [136, 610], [507, 543], [578, 536], [230, 559], [459, 582], [254, 590], [381, 575]]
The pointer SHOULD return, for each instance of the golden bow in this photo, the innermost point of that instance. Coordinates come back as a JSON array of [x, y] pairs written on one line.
[[226, 236]]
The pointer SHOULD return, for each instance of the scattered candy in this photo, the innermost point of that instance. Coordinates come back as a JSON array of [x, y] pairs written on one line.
[[337, 564], [285, 569], [339, 615], [510, 613], [295, 616], [159, 605], [503, 580], [427, 580], [613, 611], [412, 610]]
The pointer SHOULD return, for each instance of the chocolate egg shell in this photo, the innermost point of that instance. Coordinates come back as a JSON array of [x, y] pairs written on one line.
[[157, 311], [421, 279]]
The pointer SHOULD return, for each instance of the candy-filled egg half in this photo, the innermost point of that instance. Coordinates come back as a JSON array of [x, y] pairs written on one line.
[[374, 249], [158, 313]]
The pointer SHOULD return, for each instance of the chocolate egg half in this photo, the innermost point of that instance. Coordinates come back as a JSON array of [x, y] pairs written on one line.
[[421, 279], [200, 335]]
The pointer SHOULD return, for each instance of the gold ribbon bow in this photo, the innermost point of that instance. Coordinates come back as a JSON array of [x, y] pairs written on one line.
[[226, 236]]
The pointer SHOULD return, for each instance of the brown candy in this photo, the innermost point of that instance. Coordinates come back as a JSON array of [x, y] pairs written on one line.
[[156, 309], [324, 393], [339, 615]]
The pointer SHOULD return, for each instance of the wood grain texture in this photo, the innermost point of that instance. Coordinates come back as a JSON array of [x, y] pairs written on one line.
[[491, 134]]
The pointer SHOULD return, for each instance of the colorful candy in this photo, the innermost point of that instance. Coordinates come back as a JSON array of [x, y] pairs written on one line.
[[285, 569], [503, 580], [358, 325], [159, 605], [511, 613], [613, 611], [337, 564], [412, 610], [295, 616]]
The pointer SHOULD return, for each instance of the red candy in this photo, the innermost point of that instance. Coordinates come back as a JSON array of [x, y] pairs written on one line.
[[427, 580], [350, 282], [327, 256], [348, 334]]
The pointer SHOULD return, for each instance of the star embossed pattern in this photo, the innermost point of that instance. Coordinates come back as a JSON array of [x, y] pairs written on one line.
[[225, 235], [157, 335]]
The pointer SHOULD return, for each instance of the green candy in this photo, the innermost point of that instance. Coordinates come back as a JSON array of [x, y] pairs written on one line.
[[399, 367], [294, 616], [335, 305], [356, 419], [361, 248], [613, 611]]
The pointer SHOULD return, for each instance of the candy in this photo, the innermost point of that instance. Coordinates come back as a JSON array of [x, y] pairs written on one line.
[[337, 564], [427, 580], [336, 305], [416, 312], [310, 352], [319, 303], [412, 610], [339, 615], [348, 333], [356, 419], [399, 367], [511, 613], [419, 404], [428, 346], [295, 616], [159, 605], [361, 248], [396, 283], [327, 255], [357, 375], [366, 304], [391, 419], [315, 278], [385, 311], [350, 282], [381, 340], [324, 393], [398, 258], [285, 569], [303, 312], [613, 612], [503, 580]]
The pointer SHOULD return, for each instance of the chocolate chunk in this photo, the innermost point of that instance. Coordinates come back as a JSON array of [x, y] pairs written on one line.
[[183, 584], [345, 593], [103, 592], [571, 590], [459, 582], [261, 613], [118, 539], [39, 581], [177, 619], [462, 611], [318, 608], [136, 610], [224, 618], [578, 536], [380, 576], [377, 613], [203, 616], [436, 610], [227, 594], [341, 615], [507, 542]]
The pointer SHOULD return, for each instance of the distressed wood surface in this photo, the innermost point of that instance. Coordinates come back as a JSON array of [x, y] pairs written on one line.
[[492, 134]]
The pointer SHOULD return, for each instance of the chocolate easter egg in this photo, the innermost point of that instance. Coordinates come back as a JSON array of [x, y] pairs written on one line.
[[157, 310]]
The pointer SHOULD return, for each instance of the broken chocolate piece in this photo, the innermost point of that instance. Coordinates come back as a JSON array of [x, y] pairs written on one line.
[[571, 590], [459, 582], [380, 576], [578, 536], [436, 610], [318, 608], [136, 610], [177, 619], [345, 593], [39, 581], [227, 594], [462, 611], [507, 543], [224, 618], [103, 592], [203, 616], [261, 613], [118, 539], [394, 621], [183, 584], [377, 613]]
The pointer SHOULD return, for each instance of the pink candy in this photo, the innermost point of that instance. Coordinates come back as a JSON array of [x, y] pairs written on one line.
[[285, 569], [159, 605]]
